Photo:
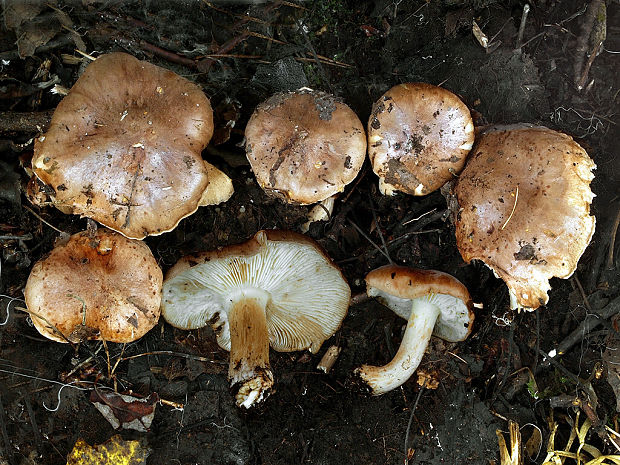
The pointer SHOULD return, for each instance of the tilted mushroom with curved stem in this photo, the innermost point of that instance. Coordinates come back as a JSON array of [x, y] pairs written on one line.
[[432, 302], [279, 289]]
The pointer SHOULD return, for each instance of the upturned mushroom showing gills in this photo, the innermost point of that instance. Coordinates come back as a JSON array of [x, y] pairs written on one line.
[[524, 208], [304, 146], [95, 286], [432, 302], [279, 289], [419, 136], [124, 148]]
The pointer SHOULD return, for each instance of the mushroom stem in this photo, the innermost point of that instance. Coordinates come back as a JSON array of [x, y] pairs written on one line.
[[249, 350], [415, 340]]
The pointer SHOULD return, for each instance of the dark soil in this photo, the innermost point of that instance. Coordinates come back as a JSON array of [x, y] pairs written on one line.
[[315, 417]]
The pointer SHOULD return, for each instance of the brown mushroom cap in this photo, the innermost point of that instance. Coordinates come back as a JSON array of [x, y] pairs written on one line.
[[124, 146], [305, 146], [396, 286], [524, 208], [419, 136], [101, 287]]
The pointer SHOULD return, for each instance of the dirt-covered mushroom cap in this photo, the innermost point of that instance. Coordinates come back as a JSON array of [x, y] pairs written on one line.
[[433, 303], [524, 208], [279, 289], [304, 146], [100, 286], [124, 146], [419, 136]]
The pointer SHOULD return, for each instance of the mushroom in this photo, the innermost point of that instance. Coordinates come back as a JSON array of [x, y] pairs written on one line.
[[124, 147], [279, 289], [432, 302], [419, 136], [95, 286], [524, 208], [304, 146]]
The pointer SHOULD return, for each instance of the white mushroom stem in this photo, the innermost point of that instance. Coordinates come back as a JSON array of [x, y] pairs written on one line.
[[249, 349], [386, 188], [417, 336], [322, 211]]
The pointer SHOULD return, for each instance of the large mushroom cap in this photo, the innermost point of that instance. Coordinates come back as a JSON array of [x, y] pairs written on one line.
[[397, 286], [124, 146], [100, 287], [307, 295], [419, 136], [524, 208], [305, 146]]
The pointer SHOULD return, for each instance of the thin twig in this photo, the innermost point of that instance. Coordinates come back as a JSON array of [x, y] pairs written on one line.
[[327, 62], [359, 230], [413, 409], [264, 37], [352, 189], [590, 322], [167, 55], [413, 233], [374, 216], [235, 15], [118, 359], [86, 55], [574, 378], [85, 362], [508, 361], [50, 325], [43, 221], [37, 378], [581, 83], [584, 297], [175, 354], [419, 217], [33, 422], [583, 40], [316, 57], [10, 237]]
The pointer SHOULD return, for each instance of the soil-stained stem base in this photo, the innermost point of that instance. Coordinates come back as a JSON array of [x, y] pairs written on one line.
[[249, 370]]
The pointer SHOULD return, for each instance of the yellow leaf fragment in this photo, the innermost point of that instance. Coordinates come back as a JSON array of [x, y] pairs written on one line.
[[115, 451]]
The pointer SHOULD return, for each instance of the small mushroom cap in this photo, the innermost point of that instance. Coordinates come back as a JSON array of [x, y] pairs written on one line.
[[396, 286], [305, 146], [307, 296], [540, 231], [419, 136], [100, 287], [124, 146]]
